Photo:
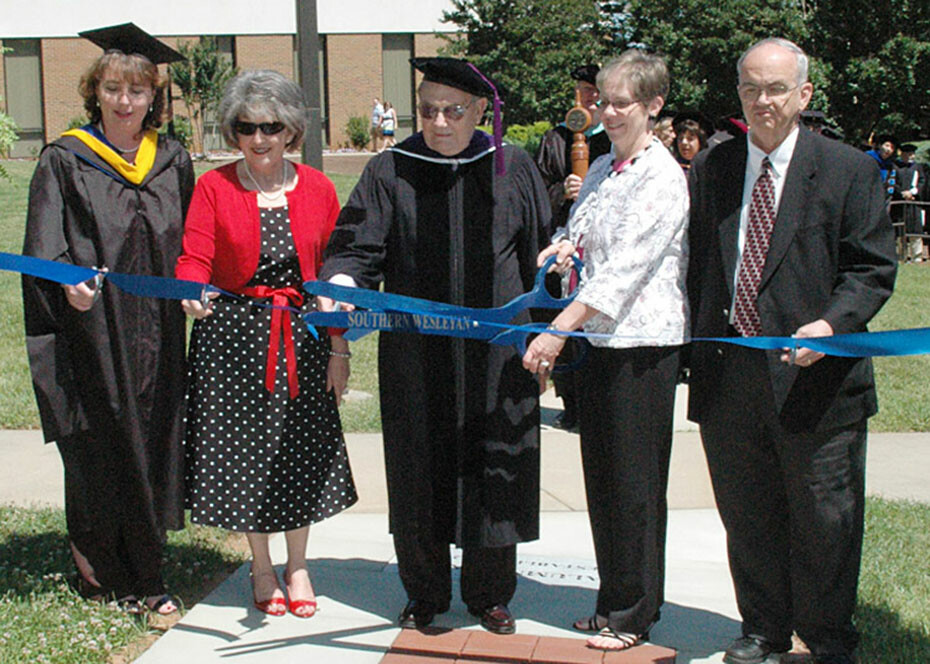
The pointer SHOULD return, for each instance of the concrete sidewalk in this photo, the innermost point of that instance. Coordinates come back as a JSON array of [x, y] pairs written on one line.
[[898, 466], [351, 557]]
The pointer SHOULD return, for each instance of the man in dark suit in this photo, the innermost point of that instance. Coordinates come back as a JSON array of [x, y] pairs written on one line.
[[789, 236]]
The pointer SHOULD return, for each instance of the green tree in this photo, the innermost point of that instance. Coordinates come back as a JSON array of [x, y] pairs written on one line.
[[8, 129], [879, 55], [201, 79], [8, 136], [528, 47], [702, 42]]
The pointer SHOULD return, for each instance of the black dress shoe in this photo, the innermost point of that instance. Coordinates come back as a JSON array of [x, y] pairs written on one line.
[[496, 618], [751, 650], [418, 613]]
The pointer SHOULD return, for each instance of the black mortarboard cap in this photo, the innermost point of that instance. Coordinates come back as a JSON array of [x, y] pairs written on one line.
[[131, 39], [586, 73], [465, 76], [702, 120], [455, 73], [908, 147]]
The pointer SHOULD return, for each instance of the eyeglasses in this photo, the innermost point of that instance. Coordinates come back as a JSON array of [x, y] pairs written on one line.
[[617, 104], [451, 112], [268, 128], [750, 92]]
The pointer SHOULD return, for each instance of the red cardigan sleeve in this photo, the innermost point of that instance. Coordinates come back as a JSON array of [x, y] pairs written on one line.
[[199, 244]]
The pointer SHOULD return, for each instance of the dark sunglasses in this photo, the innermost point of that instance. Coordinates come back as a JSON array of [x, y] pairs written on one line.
[[268, 128], [451, 112]]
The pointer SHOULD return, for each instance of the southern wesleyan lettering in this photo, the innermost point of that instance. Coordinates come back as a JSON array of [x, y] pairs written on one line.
[[393, 320]]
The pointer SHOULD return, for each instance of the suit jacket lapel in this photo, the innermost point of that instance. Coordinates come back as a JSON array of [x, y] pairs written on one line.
[[792, 207], [731, 197]]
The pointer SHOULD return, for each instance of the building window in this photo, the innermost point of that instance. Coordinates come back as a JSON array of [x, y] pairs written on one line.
[[23, 74], [396, 51]]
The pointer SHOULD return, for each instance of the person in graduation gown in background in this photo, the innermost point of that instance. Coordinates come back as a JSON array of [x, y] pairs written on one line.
[[555, 149], [108, 367], [447, 216]]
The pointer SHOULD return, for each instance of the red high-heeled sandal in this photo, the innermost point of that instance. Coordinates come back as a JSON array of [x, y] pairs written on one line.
[[275, 606], [302, 608]]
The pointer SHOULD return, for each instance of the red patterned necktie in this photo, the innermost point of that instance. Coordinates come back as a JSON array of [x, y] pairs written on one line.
[[758, 232]]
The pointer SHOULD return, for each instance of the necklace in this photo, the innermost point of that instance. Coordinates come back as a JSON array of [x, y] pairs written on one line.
[[268, 197], [118, 148]]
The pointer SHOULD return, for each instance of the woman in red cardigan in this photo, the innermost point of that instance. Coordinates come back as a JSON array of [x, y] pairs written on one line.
[[264, 447]]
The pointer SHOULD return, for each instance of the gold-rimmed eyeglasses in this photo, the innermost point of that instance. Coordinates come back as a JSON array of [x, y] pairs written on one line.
[[450, 112], [751, 92]]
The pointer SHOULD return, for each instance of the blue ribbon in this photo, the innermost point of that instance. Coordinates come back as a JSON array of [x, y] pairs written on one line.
[[398, 313], [61, 273], [537, 298]]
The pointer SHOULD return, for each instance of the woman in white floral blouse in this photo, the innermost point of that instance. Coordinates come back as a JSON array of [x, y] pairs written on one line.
[[630, 223]]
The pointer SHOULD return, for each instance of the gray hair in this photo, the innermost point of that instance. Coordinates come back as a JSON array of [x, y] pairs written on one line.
[[647, 73], [262, 92], [799, 55]]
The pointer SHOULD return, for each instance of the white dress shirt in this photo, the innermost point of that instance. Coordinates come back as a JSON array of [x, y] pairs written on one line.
[[781, 159]]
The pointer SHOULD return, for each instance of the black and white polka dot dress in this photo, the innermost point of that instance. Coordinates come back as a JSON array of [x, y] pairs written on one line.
[[257, 461]]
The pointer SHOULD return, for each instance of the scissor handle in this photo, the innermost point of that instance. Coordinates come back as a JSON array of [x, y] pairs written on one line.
[[540, 296]]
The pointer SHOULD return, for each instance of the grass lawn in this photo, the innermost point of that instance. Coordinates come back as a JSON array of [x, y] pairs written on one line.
[[43, 620]]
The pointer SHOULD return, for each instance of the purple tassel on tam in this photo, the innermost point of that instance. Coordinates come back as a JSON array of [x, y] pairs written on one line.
[[498, 128]]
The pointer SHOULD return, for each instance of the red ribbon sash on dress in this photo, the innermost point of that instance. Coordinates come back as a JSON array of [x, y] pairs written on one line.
[[280, 321]]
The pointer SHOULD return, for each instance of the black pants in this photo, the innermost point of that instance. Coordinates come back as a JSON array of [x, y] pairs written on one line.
[[489, 575], [792, 505], [108, 524], [626, 441]]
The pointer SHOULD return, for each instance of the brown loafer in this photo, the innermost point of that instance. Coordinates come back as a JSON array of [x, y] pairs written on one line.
[[496, 618]]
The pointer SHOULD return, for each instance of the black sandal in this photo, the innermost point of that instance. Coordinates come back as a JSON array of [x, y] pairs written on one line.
[[625, 639], [590, 624], [160, 602], [130, 605]]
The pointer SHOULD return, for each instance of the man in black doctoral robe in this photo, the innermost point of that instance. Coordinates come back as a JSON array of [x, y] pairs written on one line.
[[431, 219]]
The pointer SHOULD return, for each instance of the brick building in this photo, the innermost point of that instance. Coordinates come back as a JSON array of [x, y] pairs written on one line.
[[364, 44]]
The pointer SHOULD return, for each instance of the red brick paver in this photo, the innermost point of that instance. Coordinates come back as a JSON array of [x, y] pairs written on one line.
[[499, 648], [462, 646], [644, 654], [433, 641], [408, 658], [550, 650]]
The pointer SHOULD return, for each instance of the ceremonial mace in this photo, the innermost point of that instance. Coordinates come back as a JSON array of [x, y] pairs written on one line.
[[578, 119]]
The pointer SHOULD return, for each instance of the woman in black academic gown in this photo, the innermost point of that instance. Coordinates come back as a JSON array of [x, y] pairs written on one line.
[[107, 367]]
